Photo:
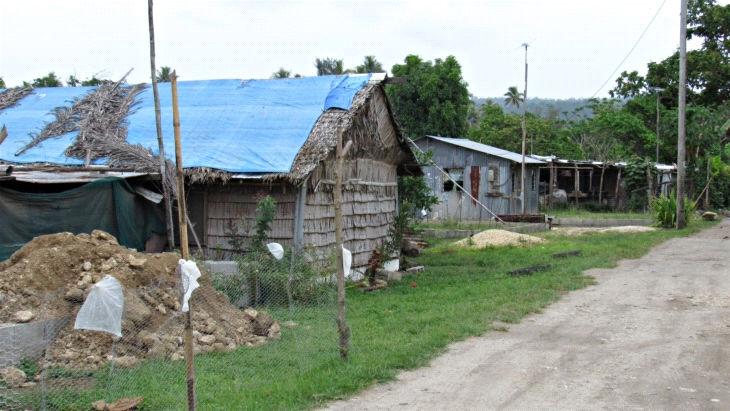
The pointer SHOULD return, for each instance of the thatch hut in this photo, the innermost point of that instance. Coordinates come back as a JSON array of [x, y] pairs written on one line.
[[243, 140]]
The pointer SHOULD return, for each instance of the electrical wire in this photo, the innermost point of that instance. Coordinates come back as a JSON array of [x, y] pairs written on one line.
[[636, 43]]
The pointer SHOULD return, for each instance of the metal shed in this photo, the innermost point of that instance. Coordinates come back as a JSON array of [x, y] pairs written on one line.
[[490, 174]]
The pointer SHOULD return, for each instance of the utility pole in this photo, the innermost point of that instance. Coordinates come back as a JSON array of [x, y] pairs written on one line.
[[524, 138], [682, 112]]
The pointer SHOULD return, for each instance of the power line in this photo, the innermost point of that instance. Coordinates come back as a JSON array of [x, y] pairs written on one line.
[[636, 43]]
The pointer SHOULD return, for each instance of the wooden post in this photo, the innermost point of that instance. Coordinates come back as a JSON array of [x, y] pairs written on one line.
[[600, 185], [649, 186], [590, 182], [576, 185], [342, 327], [551, 185], [681, 116], [184, 250], [158, 123], [618, 184]]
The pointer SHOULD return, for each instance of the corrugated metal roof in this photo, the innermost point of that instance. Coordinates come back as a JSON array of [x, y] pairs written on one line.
[[240, 126], [487, 149]]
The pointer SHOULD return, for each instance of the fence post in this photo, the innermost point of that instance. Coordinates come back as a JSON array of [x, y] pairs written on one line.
[[342, 327], [184, 251]]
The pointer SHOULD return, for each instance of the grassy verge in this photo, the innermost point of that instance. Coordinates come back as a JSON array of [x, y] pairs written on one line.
[[460, 295], [580, 213]]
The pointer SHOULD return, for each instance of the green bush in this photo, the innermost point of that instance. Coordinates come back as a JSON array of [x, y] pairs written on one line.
[[664, 210]]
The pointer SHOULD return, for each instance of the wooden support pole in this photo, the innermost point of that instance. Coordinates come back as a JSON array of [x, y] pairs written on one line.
[[184, 250], [576, 185], [600, 185], [618, 184], [342, 327], [551, 185]]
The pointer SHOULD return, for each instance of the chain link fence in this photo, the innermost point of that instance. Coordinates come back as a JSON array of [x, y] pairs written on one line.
[[257, 321]]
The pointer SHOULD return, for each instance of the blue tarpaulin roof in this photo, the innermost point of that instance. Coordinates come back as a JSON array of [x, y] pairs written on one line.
[[252, 126]]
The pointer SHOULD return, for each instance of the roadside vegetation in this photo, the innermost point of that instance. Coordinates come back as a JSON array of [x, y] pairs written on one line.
[[461, 294]]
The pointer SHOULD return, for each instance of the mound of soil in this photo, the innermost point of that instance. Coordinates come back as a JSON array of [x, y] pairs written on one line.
[[497, 238], [51, 276]]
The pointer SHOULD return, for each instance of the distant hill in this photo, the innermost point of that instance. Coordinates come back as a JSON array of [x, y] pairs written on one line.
[[564, 109]]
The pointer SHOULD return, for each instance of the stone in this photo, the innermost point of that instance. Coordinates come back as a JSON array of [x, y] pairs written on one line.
[[161, 308], [709, 216], [87, 266], [177, 356], [99, 405], [14, 377], [103, 236], [290, 324], [23, 316], [29, 384], [125, 404], [74, 295], [126, 361], [219, 347], [148, 339], [251, 313], [135, 310], [207, 339], [274, 331], [416, 269], [262, 323], [136, 262]]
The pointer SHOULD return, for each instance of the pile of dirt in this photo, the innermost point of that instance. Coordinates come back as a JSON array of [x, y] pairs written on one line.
[[498, 238], [51, 276], [573, 231]]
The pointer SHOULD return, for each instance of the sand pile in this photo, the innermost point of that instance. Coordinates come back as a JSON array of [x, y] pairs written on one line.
[[572, 231], [50, 277], [498, 238]]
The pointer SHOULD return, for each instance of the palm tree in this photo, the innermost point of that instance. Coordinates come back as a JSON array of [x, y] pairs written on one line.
[[513, 97], [281, 73], [329, 66], [163, 74], [370, 65], [72, 81]]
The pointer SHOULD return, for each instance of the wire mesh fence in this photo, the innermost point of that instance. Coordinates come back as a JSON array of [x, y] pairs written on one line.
[[256, 320]]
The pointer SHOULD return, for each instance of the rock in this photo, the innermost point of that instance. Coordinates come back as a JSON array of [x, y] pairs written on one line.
[[14, 377], [99, 405], [219, 347], [560, 196], [136, 262], [69, 355], [207, 339], [416, 269], [274, 331], [148, 339], [23, 316], [74, 295], [87, 266], [29, 384], [125, 404], [135, 310], [177, 357], [251, 313], [161, 308], [709, 216], [262, 323], [126, 361], [410, 248], [103, 236]]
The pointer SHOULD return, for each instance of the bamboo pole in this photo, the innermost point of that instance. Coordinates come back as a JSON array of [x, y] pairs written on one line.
[[158, 124], [184, 250], [342, 327]]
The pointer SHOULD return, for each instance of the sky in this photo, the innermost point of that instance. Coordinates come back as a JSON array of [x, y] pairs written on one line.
[[575, 45]]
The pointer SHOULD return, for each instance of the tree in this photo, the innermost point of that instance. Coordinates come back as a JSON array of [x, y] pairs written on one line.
[[281, 73], [433, 100], [50, 80], [163, 74], [370, 65], [2, 83], [327, 66], [513, 97], [93, 81], [72, 81]]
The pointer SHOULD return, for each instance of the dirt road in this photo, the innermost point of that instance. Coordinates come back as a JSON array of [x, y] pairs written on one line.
[[654, 333]]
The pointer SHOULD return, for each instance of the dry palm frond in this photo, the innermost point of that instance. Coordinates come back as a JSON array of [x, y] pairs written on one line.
[[11, 96]]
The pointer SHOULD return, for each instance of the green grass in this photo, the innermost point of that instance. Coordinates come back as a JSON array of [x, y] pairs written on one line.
[[580, 213], [462, 293]]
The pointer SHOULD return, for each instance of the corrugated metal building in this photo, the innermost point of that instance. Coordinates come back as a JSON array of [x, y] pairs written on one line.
[[488, 173]]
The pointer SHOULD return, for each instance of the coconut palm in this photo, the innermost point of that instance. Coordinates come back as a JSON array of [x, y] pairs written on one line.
[[329, 66], [281, 73], [513, 97], [163, 75], [370, 65]]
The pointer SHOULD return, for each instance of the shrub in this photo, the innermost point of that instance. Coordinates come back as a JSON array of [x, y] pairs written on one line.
[[664, 210]]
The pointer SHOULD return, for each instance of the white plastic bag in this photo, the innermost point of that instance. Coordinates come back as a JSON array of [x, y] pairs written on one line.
[[346, 261], [102, 310], [189, 274], [276, 250]]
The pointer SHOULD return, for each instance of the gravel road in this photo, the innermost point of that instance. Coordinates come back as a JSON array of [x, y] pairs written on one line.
[[653, 333]]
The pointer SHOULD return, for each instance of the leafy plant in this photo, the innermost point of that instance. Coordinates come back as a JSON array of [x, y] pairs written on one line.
[[664, 210]]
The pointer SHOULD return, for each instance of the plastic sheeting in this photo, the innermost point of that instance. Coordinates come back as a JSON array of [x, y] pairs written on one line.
[[110, 204], [102, 309], [253, 126], [29, 116], [189, 274], [346, 261], [276, 250]]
